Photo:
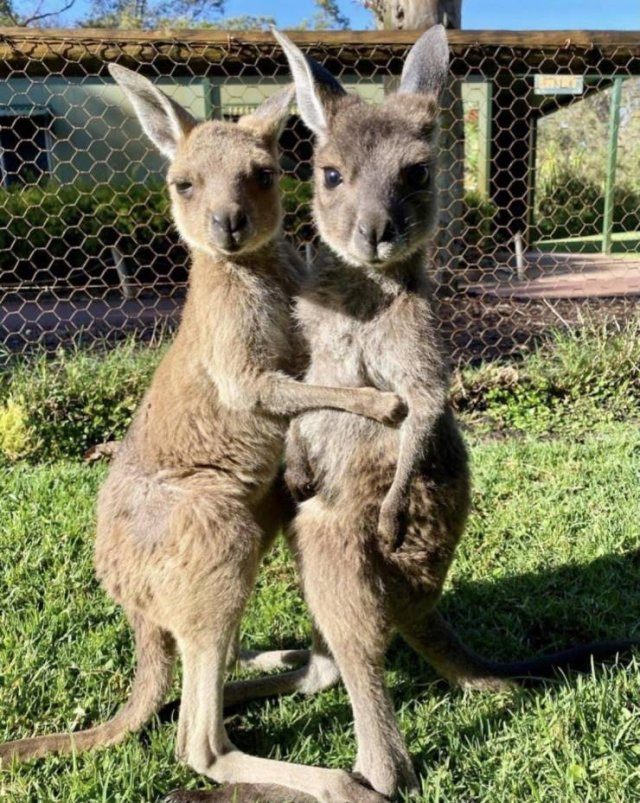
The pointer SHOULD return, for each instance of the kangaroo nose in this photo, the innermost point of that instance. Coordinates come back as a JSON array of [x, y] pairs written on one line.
[[375, 231], [230, 221]]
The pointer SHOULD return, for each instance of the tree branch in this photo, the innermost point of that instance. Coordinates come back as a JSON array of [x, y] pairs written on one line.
[[39, 17]]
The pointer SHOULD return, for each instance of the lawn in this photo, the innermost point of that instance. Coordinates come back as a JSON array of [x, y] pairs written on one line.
[[551, 557]]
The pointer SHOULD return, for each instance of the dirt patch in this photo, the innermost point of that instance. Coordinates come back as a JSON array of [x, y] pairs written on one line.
[[485, 328]]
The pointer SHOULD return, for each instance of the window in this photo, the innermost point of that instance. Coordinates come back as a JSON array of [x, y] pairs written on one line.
[[24, 145]]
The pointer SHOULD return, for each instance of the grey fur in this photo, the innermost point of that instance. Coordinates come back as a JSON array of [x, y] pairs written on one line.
[[367, 317]]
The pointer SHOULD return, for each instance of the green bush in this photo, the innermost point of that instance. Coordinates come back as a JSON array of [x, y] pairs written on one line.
[[48, 231], [58, 407], [478, 220], [296, 203], [569, 205], [16, 437], [51, 230]]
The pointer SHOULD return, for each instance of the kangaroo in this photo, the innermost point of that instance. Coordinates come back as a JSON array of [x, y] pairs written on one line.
[[188, 507], [381, 510]]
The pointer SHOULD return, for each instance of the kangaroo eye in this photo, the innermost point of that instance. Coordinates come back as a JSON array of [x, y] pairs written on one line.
[[265, 177], [183, 187], [417, 175], [332, 178]]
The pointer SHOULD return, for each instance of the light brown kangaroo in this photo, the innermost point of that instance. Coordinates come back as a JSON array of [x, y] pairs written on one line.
[[188, 506], [375, 540]]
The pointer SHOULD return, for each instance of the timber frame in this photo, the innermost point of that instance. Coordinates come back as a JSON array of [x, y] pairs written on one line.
[[81, 51]]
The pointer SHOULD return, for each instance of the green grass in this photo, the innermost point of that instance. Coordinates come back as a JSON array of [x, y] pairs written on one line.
[[577, 379], [53, 408], [57, 407], [551, 556]]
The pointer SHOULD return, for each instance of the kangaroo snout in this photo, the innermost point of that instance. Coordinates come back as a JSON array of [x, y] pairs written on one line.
[[374, 237], [229, 227]]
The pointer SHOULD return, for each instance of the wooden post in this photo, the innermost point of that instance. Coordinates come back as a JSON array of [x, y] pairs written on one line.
[[612, 160]]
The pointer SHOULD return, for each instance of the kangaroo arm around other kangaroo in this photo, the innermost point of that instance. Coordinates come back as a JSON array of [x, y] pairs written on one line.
[[280, 394]]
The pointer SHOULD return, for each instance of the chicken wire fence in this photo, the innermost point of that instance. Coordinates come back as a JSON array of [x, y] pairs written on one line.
[[539, 174]]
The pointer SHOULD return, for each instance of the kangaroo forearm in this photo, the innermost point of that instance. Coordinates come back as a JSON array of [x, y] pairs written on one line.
[[415, 433], [413, 438], [284, 396]]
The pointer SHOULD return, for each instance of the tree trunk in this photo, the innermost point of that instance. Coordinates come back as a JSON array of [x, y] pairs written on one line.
[[416, 15], [420, 15]]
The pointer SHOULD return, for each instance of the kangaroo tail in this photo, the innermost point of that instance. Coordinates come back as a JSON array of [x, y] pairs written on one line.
[[155, 653], [441, 646]]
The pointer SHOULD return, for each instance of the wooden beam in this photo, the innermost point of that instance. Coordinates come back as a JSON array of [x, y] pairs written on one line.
[[458, 39], [86, 51]]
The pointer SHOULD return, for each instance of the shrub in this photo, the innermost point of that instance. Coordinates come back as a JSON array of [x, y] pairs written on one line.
[[478, 220], [58, 407], [16, 438], [296, 202], [579, 376], [51, 231], [569, 205]]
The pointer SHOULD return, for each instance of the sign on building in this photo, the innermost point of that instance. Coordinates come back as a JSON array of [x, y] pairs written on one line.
[[558, 84]]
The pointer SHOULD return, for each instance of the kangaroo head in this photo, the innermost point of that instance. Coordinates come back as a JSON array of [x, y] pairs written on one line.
[[375, 199], [222, 176]]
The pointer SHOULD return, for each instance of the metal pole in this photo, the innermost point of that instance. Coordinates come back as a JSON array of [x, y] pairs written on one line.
[[612, 158], [520, 263], [127, 285]]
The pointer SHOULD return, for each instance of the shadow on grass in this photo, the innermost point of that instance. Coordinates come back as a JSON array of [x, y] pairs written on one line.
[[504, 619]]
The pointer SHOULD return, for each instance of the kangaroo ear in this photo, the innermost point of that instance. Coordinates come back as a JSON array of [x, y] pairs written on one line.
[[316, 88], [269, 119], [427, 65], [164, 121]]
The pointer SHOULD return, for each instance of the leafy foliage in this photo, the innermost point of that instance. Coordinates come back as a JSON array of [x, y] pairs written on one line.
[[61, 406], [327, 16], [197, 14], [478, 215], [150, 14], [70, 228], [571, 166], [569, 204], [25, 14]]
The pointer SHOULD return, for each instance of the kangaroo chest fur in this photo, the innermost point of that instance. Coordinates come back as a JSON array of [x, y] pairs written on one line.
[[350, 344], [198, 415]]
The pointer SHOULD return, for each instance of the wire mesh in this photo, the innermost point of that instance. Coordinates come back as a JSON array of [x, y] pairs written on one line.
[[540, 177]]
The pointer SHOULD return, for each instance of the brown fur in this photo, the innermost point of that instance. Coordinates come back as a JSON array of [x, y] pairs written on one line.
[[188, 506]]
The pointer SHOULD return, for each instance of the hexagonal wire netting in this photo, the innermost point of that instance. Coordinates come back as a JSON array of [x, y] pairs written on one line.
[[540, 195]]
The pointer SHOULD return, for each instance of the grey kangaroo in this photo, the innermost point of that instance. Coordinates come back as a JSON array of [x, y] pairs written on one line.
[[384, 508], [188, 507]]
